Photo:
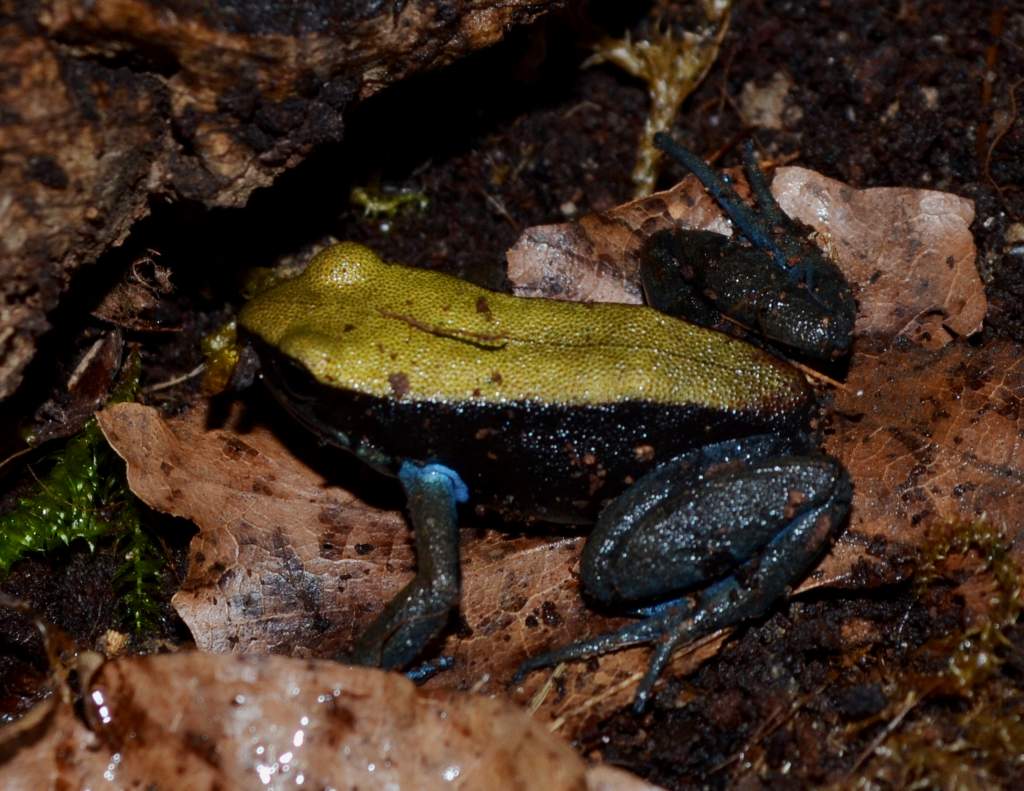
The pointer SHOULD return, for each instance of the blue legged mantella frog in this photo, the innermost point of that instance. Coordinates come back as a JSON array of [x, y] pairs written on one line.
[[688, 449]]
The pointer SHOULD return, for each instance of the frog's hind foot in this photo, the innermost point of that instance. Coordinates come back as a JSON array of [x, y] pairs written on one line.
[[782, 283], [669, 626], [656, 630], [425, 671], [755, 226], [748, 593]]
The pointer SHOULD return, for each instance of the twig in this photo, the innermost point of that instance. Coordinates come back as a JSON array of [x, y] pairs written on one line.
[[176, 380]]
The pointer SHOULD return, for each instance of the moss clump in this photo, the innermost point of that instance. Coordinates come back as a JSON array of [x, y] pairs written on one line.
[[962, 726], [377, 202], [83, 496], [220, 348]]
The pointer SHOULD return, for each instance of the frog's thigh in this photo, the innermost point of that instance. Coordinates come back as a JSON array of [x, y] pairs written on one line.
[[672, 265], [684, 537]]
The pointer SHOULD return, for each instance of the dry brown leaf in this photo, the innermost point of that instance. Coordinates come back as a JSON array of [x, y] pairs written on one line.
[[195, 720], [285, 563], [596, 258], [929, 437], [909, 252], [88, 388]]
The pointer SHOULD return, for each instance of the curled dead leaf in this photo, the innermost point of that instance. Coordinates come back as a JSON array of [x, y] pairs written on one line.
[[135, 302]]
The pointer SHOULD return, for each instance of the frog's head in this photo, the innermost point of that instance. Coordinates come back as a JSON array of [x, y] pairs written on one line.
[[311, 299], [283, 313], [309, 317], [338, 267]]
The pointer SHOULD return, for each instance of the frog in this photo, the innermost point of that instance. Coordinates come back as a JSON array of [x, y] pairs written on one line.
[[687, 450]]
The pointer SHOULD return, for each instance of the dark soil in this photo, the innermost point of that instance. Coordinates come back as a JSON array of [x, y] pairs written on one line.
[[897, 93]]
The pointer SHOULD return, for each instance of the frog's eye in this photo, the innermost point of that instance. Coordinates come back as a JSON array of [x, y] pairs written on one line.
[[341, 265], [293, 379]]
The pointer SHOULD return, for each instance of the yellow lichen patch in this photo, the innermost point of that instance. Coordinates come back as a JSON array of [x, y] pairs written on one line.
[[388, 330]]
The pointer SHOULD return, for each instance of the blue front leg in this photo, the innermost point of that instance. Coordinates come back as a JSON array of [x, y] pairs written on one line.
[[421, 609]]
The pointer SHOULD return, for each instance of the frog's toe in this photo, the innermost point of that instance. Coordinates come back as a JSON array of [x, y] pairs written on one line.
[[427, 670], [803, 273], [666, 627], [632, 634]]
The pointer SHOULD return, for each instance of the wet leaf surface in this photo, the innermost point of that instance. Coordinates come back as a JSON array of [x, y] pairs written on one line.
[[198, 720]]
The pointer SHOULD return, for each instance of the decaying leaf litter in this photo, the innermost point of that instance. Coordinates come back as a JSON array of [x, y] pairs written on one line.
[[862, 150], [286, 722]]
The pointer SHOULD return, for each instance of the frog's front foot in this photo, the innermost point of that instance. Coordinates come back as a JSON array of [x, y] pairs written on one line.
[[741, 527], [421, 609]]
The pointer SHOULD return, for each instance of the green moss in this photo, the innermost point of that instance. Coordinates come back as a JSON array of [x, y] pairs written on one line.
[[80, 495], [75, 500], [138, 578], [961, 726], [376, 202]]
